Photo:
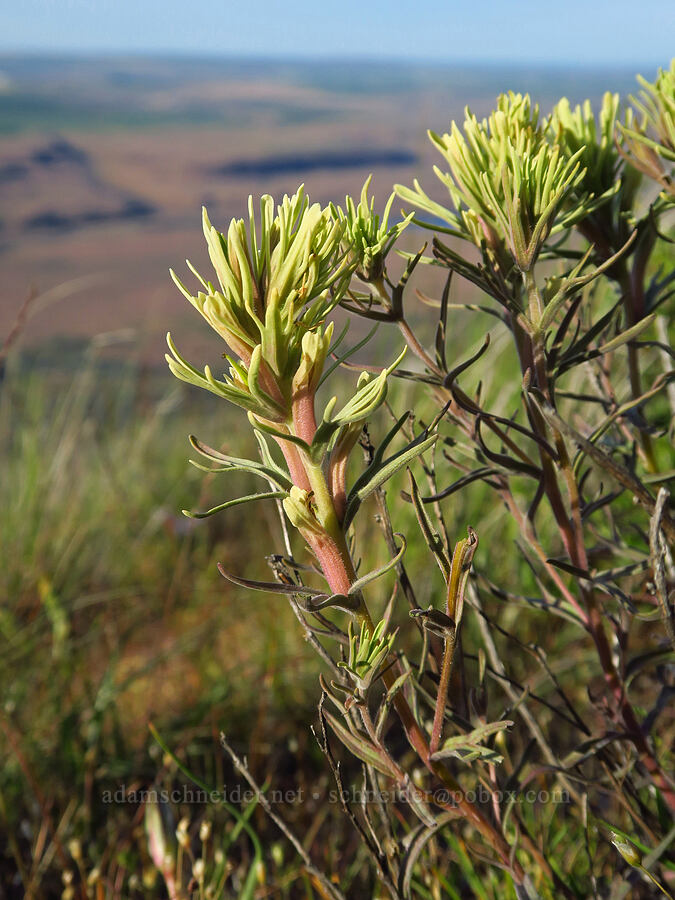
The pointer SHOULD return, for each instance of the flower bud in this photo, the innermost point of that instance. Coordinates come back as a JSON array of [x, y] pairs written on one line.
[[627, 850], [278, 855], [314, 351], [182, 833], [299, 510], [199, 870]]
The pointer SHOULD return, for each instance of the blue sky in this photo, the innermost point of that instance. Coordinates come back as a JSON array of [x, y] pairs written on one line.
[[580, 32]]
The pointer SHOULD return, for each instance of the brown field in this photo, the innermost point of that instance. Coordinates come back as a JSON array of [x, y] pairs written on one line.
[[93, 213]]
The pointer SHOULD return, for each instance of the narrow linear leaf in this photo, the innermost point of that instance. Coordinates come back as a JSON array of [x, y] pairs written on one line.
[[268, 475], [339, 601], [472, 741], [266, 469], [476, 475], [431, 536], [362, 748], [239, 501], [625, 478], [339, 360], [270, 587], [360, 491], [573, 284], [360, 583], [628, 335], [569, 568], [659, 477], [279, 435], [417, 841], [462, 367], [388, 700], [415, 798]]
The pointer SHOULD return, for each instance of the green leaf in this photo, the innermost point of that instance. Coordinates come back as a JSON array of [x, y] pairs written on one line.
[[470, 745], [627, 335], [184, 371], [422, 201], [573, 282], [388, 700], [360, 583], [421, 809], [362, 748], [275, 433], [239, 501], [397, 685], [271, 587], [367, 397], [267, 469], [431, 536], [263, 398], [375, 476], [324, 434], [416, 840]]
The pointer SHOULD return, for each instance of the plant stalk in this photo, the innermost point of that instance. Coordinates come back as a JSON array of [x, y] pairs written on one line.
[[338, 568]]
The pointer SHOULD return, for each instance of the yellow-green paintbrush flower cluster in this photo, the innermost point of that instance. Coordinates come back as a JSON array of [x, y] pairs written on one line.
[[368, 237], [274, 290], [507, 180], [650, 146]]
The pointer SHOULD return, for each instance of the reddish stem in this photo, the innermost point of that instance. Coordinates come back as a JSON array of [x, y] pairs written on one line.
[[336, 564], [304, 419], [294, 463]]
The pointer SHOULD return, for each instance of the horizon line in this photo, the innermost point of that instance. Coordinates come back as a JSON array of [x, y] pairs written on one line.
[[287, 58]]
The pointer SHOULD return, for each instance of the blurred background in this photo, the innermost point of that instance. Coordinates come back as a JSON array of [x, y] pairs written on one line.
[[118, 121]]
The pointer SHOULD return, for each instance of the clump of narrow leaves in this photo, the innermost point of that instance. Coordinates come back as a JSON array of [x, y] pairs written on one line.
[[367, 651], [508, 183], [650, 141], [274, 291], [368, 237]]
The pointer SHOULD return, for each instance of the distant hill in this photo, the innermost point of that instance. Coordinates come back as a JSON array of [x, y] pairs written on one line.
[[130, 92], [54, 186], [105, 163]]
